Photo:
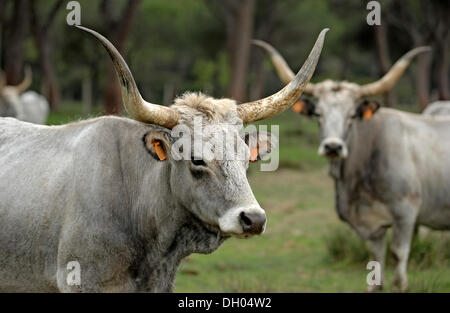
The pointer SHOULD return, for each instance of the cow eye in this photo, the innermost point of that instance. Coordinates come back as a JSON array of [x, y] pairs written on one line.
[[198, 162]]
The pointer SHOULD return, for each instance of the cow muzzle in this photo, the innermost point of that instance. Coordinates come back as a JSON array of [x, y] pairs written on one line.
[[333, 148], [243, 221]]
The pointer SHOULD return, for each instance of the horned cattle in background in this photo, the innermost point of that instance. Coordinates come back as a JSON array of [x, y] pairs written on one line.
[[109, 193], [27, 106], [437, 108], [390, 168]]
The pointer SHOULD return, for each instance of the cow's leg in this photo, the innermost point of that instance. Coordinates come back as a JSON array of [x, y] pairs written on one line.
[[404, 224], [378, 251]]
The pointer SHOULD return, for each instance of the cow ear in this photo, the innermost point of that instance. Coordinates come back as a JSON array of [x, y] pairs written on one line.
[[158, 144], [260, 144], [367, 109], [304, 107]]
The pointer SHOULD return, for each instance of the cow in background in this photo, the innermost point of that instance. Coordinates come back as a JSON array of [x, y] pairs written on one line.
[[437, 108], [27, 106], [390, 167]]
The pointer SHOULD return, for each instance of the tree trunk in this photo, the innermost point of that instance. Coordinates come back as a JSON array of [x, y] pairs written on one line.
[[239, 17], [14, 48], [423, 79], [443, 68], [263, 29], [41, 28], [257, 87], [384, 61], [50, 87], [87, 92], [2, 10], [120, 30]]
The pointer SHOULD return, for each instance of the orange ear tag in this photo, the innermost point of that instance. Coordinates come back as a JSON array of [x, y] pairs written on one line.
[[368, 114], [297, 107], [253, 154], [159, 150]]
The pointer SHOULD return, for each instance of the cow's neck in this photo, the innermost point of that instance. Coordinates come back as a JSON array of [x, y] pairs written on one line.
[[350, 174], [169, 234]]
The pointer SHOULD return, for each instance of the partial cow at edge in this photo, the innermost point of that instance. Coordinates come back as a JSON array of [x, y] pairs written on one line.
[[390, 168], [27, 106], [437, 108]]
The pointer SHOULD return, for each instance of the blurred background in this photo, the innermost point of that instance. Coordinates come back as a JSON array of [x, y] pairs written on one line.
[[174, 46]]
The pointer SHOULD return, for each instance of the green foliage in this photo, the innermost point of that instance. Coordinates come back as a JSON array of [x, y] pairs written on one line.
[[344, 245]]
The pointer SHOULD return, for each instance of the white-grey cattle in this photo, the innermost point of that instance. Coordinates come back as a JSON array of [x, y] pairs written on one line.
[[27, 106], [110, 195], [437, 108], [390, 168]]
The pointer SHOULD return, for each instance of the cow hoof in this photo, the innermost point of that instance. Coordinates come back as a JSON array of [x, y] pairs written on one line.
[[375, 288], [400, 285]]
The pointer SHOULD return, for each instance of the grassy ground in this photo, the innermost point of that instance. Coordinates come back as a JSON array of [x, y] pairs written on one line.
[[305, 247]]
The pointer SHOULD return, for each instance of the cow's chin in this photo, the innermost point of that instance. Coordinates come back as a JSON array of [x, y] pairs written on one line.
[[226, 234], [335, 157]]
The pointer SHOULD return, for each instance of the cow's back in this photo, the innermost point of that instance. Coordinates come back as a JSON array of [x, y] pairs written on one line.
[[416, 150]]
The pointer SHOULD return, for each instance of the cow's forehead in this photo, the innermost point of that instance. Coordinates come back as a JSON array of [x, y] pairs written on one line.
[[213, 120], [330, 87], [193, 106], [336, 94]]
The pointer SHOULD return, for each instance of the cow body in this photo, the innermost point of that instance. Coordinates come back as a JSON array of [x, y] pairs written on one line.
[[32, 108], [396, 175], [388, 179], [437, 108], [82, 195]]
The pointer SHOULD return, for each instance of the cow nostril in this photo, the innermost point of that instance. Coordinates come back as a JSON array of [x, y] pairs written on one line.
[[333, 148], [252, 223], [245, 220]]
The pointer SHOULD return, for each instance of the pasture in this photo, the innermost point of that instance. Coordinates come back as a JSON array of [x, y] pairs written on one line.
[[305, 247]]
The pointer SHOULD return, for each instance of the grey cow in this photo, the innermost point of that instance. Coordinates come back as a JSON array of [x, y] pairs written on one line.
[[437, 108], [390, 168], [27, 106], [109, 193]]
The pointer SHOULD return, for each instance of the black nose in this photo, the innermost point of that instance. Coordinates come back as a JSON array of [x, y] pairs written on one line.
[[333, 149], [252, 223]]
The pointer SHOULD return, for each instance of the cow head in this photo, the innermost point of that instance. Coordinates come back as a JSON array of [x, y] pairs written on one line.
[[214, 189], [337, 105], [10, 95]]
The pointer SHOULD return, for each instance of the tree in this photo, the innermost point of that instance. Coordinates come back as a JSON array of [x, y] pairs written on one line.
[[426, 22], [384, 60], [15, 37], [41, 29], [238, 16], [266, 16], [441, 37], [119, 29]]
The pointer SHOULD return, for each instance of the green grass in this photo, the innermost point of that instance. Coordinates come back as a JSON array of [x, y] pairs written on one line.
[[305, 247]]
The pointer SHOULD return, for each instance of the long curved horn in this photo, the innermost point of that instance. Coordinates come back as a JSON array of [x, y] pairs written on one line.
[[135, 105], [393, 75], [283, 99], [284, 71], [26, 82]]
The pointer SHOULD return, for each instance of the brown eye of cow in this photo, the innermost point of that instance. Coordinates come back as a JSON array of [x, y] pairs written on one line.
[[198, 162]]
